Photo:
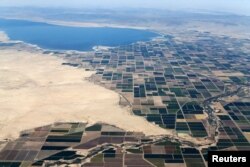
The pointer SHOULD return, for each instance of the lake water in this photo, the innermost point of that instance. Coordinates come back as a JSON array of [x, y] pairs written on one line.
[[55, 37]]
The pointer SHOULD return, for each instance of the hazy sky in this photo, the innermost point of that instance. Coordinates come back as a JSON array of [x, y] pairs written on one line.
[[234, 6]]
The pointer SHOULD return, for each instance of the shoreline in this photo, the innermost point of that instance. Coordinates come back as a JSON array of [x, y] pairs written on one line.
[[5, 38], [78, 24]]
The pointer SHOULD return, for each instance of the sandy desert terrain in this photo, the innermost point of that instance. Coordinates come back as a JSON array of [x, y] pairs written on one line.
[[36, 90]]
